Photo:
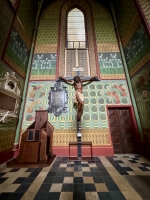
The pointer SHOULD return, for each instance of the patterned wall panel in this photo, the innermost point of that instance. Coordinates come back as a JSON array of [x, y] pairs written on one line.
[[43, 66], [6, 140], [17, 53], [104, 29], [6, 17], [128, 19], [145, 6], [47, 32], [141, 86], [96, 96], [53, 11], [18, 49], [110, 65], [46, 45], [26, 13], [137, 51]]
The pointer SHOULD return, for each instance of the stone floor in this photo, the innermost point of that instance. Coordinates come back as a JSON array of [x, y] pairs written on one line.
[[117, 177]]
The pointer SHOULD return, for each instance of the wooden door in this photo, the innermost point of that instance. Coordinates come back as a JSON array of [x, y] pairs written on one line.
[[121, 130]]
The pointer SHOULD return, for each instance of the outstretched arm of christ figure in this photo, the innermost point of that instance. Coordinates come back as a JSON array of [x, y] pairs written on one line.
[[65, 80], [94, 78]]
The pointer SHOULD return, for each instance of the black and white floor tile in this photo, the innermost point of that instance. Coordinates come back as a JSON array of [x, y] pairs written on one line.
[[117, 177]]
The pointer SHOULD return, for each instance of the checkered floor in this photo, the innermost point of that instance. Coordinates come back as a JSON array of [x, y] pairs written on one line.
[[102, 178]]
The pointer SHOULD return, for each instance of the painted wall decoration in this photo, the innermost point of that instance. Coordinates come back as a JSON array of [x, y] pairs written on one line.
[[96, 96], [110, 65], [128, 19], [6, 140], [26, 13], [43, 66], [137, 48], [141, 86], [17, 53], [6, 14]]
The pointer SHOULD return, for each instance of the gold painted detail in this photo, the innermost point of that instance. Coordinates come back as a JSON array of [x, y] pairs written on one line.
[[145, 5], [6, 141], [112, 76], [96, 136], [46, 48], [144, 60], [130, 30], [53, 10], [107, 48], [42, 77], [22, 32]]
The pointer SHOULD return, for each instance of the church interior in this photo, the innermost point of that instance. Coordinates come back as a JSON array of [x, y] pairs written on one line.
[[45, 151]]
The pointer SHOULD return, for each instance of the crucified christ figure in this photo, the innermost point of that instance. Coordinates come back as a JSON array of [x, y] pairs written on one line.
[[78, 98]]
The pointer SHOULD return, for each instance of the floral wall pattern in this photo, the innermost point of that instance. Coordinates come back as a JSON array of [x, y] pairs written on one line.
[[141, 86]]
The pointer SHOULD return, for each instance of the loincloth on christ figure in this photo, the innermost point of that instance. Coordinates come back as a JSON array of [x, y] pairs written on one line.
[[80, 95]]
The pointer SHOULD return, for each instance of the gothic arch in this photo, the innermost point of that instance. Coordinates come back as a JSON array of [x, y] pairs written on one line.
[[84, 6]]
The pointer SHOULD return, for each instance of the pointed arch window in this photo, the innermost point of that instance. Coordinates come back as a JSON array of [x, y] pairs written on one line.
[[76, 62], [76, 29]]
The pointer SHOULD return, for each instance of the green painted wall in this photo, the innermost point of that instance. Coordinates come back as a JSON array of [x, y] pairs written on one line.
[[6, 16], [127, 19], [44, 64], [15, 43], [141, 86], [103, 24], [26, 12], [133, 35], [137, 52], [96, 96]]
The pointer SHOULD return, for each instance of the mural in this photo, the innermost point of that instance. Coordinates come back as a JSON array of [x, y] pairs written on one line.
[[137, 48], [96, 96], [44, 64], [110, 63], [141, 87]]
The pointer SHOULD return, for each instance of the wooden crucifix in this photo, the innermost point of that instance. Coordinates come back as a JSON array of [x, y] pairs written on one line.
[[78, 97]]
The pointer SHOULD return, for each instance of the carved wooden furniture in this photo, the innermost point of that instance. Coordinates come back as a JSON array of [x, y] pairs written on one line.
[[81, 143], [36, 141]]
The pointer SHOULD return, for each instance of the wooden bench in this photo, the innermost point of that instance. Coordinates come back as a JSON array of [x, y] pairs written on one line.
[[82, 143]]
